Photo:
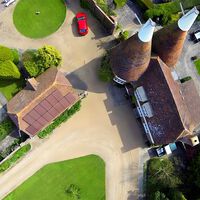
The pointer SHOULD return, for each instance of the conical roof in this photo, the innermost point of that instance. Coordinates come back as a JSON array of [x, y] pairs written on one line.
[[168, 41], [130, 59]]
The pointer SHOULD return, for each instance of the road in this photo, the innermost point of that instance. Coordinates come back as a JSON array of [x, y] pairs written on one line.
[[105, 125]]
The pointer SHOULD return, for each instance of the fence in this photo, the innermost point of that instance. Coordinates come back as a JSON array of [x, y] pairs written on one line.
[[107, 21]]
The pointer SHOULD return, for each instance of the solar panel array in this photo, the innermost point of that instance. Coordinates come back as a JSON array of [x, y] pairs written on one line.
[[47, 110]]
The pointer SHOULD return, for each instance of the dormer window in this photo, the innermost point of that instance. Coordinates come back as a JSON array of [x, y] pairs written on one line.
[[141, 94]]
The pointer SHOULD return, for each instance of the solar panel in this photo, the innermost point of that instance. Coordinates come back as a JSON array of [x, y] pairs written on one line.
[[35, 115], [46, 104], [47, 110]]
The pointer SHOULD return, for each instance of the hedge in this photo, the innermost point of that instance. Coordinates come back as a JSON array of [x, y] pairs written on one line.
[[168, 11], [5, 54], [32, 68], [15, 54], [6, 126], [14, 158], [59, 120], [8, 70]]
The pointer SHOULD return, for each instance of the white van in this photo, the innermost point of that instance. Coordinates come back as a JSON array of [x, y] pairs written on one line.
[[10, 2]]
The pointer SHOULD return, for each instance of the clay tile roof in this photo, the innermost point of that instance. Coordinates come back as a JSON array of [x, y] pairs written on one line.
[[168, 43], [171, 116], [192, 100], [130, 58], [32, 110]]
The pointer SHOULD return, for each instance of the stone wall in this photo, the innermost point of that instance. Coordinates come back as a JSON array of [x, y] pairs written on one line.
[[107, 21]]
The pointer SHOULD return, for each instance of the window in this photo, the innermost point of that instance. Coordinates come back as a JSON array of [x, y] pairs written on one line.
[[147, 110], [141, 94]]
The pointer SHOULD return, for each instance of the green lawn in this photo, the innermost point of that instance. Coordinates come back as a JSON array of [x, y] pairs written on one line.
[[197, 65], [52, 15], [10, 87], [50, 182]]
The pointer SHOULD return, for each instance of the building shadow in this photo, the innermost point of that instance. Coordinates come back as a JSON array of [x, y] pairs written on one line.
[[116, 103]]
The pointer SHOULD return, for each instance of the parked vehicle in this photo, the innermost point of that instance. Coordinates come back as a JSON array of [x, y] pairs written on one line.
[[5, 1], [82, 23], [166, 149], [9, 3]]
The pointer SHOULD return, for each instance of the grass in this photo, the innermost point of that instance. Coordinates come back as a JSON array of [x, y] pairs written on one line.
[[197, 65], [6, 126], [52, 15], [10, 87], [14, 158], [51, 181]]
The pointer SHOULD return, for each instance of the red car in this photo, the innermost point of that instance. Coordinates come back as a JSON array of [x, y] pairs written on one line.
[[82, 23]]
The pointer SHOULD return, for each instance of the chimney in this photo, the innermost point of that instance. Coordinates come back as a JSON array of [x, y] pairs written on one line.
[[168, 41], [32, 84], [130, 59]]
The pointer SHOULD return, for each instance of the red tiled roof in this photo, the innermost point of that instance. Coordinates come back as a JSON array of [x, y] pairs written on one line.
[[45, 104]]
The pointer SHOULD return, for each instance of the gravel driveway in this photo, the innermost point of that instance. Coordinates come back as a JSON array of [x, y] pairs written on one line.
[[102, 127]]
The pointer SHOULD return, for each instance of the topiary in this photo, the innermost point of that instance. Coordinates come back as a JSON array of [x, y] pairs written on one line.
[[6, 54], [15, 54], [8, 70]]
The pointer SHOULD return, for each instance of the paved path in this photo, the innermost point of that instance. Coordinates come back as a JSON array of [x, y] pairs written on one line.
[[104, 126]]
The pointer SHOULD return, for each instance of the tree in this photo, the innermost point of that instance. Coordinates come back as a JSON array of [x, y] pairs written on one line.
[[159, 196], [15, 54], [32, 68], [73, 191], [48, 56], [8, 70], [162, 174]]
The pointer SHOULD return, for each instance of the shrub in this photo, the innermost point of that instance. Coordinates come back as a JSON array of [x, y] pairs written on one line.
[[14, 158], [8, 70], [59, 120], [145, 4], [15, 54], [84, 4], [6, 126], [5, 54], [48, 56], [123, 35], [32, 68], [73, 191], [187, 78], [105, 72], [120, 3]]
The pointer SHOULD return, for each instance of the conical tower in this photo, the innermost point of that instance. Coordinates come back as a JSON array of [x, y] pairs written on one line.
[[130, 59], [168, 41]]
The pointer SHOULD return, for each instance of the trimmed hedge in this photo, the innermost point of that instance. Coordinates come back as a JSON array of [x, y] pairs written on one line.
[[5, 54], [15, 53], [6, 126], [8, 70], [14, 158], [59, 120]]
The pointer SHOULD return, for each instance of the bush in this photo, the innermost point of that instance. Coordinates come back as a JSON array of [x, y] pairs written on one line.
[[73, 191], [120, 3], [8, 70], [14, 158], [5, 54], [187, 78], [145, 4], [105, 72], [123, 35], [6, 126], [59, 120], [32, 68], [84, 4], [15, 54]]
